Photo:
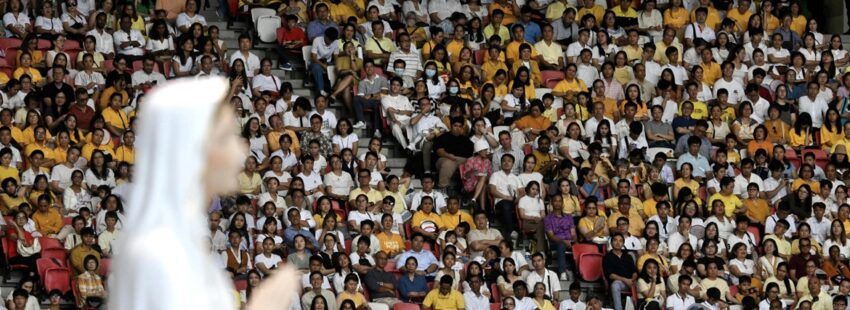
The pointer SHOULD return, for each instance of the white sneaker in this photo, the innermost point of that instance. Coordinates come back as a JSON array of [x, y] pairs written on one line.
[[377, 133], [359, 125], [324, 93], [564, 276]]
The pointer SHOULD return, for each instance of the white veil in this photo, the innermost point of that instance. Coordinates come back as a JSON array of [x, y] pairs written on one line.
[[163, 259]]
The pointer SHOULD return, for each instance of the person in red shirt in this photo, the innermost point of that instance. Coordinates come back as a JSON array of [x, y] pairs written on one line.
[[290, 39], [81, 110]]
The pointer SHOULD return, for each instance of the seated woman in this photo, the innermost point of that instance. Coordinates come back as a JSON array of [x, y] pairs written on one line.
[[534, 123], [650, 285], [740, 265], [267, 261], [90, 285], [505, 282], [426, 221], [22, 231], [451, 267], [351, 293], [411, 286], [592, 225]]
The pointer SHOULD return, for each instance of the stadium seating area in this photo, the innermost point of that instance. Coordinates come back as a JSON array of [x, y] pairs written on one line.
[[447, 154]]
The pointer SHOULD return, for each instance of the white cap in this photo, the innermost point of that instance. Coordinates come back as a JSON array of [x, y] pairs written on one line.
[[481, 145]]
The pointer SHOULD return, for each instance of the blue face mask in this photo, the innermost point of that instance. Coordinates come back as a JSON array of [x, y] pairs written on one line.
[[430, 72], [399, 71], [453, 89]]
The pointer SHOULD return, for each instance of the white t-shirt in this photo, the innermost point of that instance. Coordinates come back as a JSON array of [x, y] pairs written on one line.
[[505, 183], [816, 109], [11, 20], [531, 206], [345, 142], [160, 45], [311, 181], [45, 23], [269, 262], [264, 82], [339, 184], [735, 89], [184, 20], [252, 62]]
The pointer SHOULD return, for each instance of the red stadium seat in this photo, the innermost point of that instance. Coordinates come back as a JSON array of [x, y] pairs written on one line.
[[583, 248], [479, 56], [59, 254], [756, 234], [821, 158], [590, 269], [551, 77], [42, 264], [50, 243], [240, 285], [406, 306], [7, 43], [57, 279], [105, 263], [390, 266], [497, 306], [494, 291], [71, 45], [108, 65], [44, 45], [137, 65]]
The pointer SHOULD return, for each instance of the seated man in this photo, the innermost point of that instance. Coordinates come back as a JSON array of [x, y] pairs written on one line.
[[397, 109], [453, 149], [290, 39], [369, 93], [321, 57], [444, 297]]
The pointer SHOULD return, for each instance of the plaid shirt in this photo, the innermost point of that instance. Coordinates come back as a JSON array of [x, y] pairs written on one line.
[[89, 284]]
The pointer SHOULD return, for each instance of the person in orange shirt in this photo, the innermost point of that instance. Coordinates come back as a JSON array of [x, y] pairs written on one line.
[[47, 219], [510, 8], [712, 19], [741, 15], [676, 16], [535, 123]]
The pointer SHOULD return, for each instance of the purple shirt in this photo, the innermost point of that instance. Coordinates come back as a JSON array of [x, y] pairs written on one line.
[[561, 226]]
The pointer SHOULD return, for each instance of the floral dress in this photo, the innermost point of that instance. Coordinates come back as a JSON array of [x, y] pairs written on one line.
[[471, 169]]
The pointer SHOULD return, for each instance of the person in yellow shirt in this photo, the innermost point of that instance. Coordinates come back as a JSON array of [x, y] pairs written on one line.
[[426, 221], [493, 63], [741, 15], [633, 50], [47, 219], [444, 297], [590, 7], [710, 69], [712, 19], [391, 243], [4, 78], [348, 8], [510, 9], [496, 27], [668, 39], [732, 204], [117, 82], [96, 145], [127, 151], [115, 119], [551, 53], [7, 170], [805, 178], [570, 85], [675, 17], [512, 51], [25, 68], [801, 134], [798, 21], [454, 216], [526, 61], [40, 144]]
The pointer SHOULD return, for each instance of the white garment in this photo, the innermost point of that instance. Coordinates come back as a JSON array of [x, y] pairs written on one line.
[[168, 206]]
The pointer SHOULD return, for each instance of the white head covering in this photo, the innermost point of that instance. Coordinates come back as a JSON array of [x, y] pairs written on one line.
[[481, 145], [163, 260]]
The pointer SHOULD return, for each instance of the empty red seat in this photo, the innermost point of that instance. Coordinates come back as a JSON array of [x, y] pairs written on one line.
[[59, 254], [406, 306], [590, 269], [50, 243], [57, 278]]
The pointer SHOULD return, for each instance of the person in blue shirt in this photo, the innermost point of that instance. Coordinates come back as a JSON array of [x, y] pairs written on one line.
[[700, 164], [426, 261], [532, 30], [297, 229], [412, 286]]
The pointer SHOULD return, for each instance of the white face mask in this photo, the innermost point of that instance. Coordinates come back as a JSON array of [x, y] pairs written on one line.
[[430, 72], [453, 89], [399, 71]]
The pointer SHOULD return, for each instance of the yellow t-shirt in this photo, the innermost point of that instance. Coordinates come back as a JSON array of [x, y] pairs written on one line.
[[9, 172], [89, 148], [373, 195], [711, 72], [741, 19], [419, 217], [32, 72], [676, 19], [435, 300], [393, 245], [512, 51], [596, 10], [729, 202], [116, 118], [451, 221], [800, 140], [798, 24], [124, 153]]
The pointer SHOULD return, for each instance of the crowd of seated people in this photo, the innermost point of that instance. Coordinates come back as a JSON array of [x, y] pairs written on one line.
[[699, 147]]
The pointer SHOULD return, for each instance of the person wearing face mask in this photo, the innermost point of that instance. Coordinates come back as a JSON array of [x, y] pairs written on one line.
[[398, 71]]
